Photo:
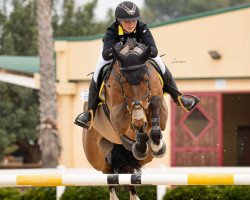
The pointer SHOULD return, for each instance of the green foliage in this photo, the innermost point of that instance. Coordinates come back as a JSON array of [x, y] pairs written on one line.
[[147, 192], [194, 192], [19, 116], [208, 193], [85, 193], [39, 193], [236, 192], [19, 32], [144, 192], [9, 194], [96, 193], [80, 21]]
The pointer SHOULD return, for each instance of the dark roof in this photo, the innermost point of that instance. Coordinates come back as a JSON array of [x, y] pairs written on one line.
[[23, 64]]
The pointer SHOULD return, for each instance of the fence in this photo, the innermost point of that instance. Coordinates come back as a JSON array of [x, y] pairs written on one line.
[[150, 176]]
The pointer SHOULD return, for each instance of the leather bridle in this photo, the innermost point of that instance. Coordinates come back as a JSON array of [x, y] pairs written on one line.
[[137, 103]]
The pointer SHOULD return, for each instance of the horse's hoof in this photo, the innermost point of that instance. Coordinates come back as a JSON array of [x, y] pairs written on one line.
[[137, 154], [160, 153]]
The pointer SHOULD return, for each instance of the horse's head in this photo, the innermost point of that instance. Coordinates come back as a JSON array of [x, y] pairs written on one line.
[[134, 80]]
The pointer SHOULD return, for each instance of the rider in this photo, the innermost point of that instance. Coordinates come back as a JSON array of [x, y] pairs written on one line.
[[126, 25]]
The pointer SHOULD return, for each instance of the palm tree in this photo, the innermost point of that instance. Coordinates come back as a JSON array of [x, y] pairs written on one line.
[[49, 140]]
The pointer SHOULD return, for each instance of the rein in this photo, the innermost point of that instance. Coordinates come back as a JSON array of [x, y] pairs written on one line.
[[132, 68], [135, 102]]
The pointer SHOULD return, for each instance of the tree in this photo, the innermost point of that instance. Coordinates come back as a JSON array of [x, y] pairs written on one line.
[[18, 121], [19, 31], [2, 23], [49, 140], [80, 21]]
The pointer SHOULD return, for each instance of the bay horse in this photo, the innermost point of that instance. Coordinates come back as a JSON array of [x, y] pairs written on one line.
[[126, 131]]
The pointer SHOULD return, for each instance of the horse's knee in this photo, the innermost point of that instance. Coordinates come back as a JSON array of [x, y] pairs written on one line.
[[155, 102]]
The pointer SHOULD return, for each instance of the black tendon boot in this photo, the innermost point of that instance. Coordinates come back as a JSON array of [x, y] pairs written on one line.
[[84, 119], [187, 102]]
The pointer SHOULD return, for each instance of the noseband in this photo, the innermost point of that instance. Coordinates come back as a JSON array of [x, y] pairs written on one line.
[[137, 103]]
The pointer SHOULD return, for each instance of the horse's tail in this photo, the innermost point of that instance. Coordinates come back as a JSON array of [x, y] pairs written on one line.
[[123, 160]]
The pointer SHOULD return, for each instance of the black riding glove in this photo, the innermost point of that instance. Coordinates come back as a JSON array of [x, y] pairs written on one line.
[[141, 46], [154, 52], [118, 46]]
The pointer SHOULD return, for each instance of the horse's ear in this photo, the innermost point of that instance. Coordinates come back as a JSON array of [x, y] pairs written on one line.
[[117, 55], [144, 56]]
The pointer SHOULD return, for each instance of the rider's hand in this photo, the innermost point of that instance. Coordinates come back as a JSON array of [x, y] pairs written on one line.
[[141, 46], [118, 46]]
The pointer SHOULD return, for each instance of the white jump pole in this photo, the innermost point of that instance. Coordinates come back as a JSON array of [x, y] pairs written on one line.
[[18, 180]]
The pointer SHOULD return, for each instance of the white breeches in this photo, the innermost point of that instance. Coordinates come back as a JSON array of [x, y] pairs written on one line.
[[160, 63], [100, 63]]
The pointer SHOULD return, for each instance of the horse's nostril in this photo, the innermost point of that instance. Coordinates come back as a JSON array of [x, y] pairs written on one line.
[[137, 102], [139, 125]]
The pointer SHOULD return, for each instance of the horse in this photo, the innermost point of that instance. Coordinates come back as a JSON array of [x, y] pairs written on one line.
[[126, 131]]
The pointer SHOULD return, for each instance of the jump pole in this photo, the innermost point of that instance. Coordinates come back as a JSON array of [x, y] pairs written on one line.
[[19, 180]]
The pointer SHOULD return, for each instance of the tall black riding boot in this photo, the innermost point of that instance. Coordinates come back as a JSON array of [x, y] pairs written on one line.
[[84, 119], [187, 102]]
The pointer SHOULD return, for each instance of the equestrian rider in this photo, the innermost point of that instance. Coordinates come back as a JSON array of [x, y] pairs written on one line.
[[127, 24]]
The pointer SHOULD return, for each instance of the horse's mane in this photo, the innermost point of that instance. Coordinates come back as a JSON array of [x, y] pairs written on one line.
[[132, 45], [132, 50]]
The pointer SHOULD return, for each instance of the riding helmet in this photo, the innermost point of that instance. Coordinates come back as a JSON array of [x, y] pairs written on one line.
[[127, 11]]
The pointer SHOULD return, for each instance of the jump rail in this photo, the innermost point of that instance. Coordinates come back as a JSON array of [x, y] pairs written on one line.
[[176, 176], [123, 179]]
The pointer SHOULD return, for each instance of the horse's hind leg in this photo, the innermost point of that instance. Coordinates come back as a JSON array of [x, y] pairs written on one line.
[[112, 194], [132, 193], [96, 150], [157, 145]]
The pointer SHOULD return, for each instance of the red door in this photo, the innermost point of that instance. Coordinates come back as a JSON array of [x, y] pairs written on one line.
[[196, 136]]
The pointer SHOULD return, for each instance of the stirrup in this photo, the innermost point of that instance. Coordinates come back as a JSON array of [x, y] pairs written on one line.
[[195, 98]]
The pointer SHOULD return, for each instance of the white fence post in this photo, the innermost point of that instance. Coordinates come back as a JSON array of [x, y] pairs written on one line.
[[60, 189]]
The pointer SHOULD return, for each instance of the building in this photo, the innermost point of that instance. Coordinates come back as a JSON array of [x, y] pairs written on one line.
[[208, 54]]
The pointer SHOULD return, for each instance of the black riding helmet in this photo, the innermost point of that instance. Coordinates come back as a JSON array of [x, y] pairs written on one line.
[[127, 11]]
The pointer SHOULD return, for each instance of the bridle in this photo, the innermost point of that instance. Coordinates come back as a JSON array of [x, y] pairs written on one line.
[[137, 103]]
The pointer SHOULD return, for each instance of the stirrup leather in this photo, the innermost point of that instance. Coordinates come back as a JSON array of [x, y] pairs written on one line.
[[92, 118]]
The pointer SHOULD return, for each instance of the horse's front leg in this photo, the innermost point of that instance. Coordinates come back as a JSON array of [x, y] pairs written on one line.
[[132, 193], [157, 145]]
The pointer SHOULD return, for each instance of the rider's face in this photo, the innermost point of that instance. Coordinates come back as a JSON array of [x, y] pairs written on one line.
[[129, 26]]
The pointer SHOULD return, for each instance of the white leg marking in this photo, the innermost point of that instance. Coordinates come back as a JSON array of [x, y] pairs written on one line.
[[133, 197], [156, 148], [112, 195]]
